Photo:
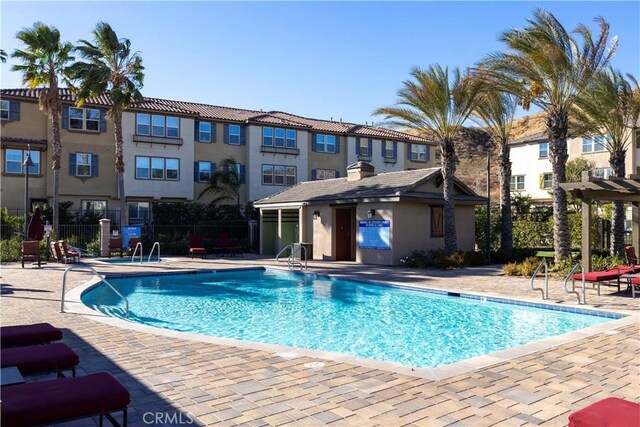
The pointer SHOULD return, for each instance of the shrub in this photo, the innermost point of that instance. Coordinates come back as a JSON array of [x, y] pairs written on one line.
[[93, 247], [511, 269], [438, 259], [417, 259], [528, 266], [474, 258], [11, 249]]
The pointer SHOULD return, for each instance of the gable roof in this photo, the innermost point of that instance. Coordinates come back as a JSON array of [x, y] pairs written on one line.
[[391, 186], [230, 114], [536, 137]]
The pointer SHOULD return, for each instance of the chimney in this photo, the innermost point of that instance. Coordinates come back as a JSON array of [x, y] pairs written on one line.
[[359, 170]]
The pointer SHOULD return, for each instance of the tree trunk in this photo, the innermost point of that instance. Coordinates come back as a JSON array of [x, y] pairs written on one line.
[[557, 126], [56, 160], [506, 232], [616, 161], [449, 161], [116, 115]]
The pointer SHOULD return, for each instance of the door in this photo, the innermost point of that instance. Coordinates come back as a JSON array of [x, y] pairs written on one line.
[[343, 234]]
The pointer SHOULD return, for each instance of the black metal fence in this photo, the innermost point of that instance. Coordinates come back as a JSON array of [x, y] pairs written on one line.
[[173, 238]]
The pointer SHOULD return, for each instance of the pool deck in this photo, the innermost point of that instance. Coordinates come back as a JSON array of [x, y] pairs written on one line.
[[174, 380]]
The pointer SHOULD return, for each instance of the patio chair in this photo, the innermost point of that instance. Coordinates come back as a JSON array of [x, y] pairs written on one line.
[[133, 242], [54, 401], [611, 411], [21, 335], [225, 247], [56, 253], [609, 277], [67, 253], [40, 359], [196, 246], [632, 258], [115, 246], [30, 251]]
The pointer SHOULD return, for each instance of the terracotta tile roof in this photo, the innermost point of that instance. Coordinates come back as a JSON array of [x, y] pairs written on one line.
[[384, 185], [24, 141], [214, 112]]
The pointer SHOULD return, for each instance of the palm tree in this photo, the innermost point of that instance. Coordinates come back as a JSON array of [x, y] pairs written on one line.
[[224, 183], [547, 67], [44, 61], [496, 110], [610, 108], [110, 66], [436, 104], [3, 56]]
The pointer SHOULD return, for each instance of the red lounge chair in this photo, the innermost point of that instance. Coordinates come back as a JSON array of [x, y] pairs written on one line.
[[67, 253], [30, 251], [196, 246], [635, 286], [54, 401], [40, 359], [632, 258], [225, 247], [610, 277], [115, 246], [21, 335], [609, 412]]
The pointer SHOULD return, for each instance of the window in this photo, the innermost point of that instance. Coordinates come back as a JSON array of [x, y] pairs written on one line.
[[83, 164], [139, 211], [267, 137], [543, 150], [5, 108], [593, 144], [291, 138], [279, 175], [279, 137], [547, 181], [321, 174], [84, 119], [234, 134], [603, 173], [143, 124], [419, 153], [204, 131], [517, 182], [326, 143], [389, 152], [364, 147], [158, 168], [156, 125], [95, 206], [204, 171], [437, 221], [15, 158]]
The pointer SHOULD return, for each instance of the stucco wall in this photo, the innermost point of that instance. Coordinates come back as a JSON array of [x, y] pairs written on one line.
[[377, 160], [337, 161], [526, 161], [384, 211], [323, 244]]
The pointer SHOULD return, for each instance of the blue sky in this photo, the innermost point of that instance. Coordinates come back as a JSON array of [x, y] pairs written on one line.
[[316, 59]]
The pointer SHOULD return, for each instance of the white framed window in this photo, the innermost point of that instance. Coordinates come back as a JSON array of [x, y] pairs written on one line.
[[364, 147], [204, 131], [234, 134], [291, 138], [291, 175], [267, 174], [173, 127], [84, 119], [279, 137], [139, 211], [143, 124], [547, 181], [142, 167], [322, 174], [267, 136], [543, 150], [14, 159], [278, 175], [603, 173], [389, 152], [157, 168], [517, 182], [592, 144], [204, 171], [83, 164], [5, 109], [172, 168], [326, 143], [157, 126], [95, 206], [419, 153]]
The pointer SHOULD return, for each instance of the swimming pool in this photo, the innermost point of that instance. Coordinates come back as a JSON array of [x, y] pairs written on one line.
[[418, 328], [127, 260]]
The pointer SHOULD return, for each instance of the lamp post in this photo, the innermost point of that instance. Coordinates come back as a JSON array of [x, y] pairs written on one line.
[[26, 164]]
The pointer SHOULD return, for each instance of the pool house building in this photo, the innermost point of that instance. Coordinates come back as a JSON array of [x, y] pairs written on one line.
[[366, 217]]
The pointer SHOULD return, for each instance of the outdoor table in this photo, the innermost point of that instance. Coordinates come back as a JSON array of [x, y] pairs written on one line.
[[629, 277], [11, 375]]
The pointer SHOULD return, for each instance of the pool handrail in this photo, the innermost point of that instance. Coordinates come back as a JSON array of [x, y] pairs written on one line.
[[545, 292], [100, 276], [151, 253], [136, 251], [573, 285], [295, 248], [282, 251]]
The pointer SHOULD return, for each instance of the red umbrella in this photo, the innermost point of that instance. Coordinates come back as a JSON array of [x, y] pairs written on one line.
[[34, 231]]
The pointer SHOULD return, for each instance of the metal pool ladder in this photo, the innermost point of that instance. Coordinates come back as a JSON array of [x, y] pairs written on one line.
[[95, 273], [155, 244], [573, 285], [292, 261], [135, 251], [545, 291]]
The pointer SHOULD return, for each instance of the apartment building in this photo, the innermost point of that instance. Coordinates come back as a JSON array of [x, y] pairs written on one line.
[[171, 149]]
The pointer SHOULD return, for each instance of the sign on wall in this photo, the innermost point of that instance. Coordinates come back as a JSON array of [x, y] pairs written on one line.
[[374, 234], [128, 232]]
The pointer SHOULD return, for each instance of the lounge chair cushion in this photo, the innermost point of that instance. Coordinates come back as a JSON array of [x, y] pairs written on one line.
[[52, 401], [609, 412], [603, 276], [37, 359], [20, 335]]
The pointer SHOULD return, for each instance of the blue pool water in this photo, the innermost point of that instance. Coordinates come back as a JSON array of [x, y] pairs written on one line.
[[127, 260], [417, 328]]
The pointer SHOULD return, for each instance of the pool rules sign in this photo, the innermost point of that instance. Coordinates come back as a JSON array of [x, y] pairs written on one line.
[[374, 234]]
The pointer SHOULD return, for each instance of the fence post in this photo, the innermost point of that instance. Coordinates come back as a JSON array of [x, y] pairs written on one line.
[[253, 233], [105, 232]]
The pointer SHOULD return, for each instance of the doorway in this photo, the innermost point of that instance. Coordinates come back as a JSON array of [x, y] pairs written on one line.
[[344, 235]]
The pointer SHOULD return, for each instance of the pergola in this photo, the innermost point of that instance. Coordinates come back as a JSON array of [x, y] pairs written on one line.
[[612, 189]]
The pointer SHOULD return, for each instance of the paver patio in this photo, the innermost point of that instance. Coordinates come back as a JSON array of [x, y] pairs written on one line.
[[184, 379]]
